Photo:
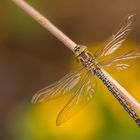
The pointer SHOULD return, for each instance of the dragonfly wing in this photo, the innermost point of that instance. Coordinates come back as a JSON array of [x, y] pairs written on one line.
[[122, 62], [83, 95], [117, 39], [58, 88]]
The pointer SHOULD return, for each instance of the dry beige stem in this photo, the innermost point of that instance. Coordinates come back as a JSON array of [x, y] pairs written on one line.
[[71, 45]]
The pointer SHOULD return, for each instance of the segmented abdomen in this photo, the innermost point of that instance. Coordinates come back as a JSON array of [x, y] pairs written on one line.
[[116, 94]]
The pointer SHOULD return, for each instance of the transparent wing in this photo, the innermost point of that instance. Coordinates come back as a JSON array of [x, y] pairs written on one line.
[[58, 88], [83, 95], [117, 38], [122, 62]]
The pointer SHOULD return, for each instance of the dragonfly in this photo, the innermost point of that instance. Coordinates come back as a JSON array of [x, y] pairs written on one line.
[[82, 82]]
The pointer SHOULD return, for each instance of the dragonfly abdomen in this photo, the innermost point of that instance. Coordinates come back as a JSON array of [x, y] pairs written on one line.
[[116, 94], [91, 64]]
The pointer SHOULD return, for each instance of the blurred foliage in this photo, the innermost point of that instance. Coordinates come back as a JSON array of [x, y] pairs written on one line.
[[31, 58], [103, 119]]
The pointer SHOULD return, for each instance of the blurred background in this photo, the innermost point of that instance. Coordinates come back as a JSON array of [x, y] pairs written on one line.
[[31, 58]]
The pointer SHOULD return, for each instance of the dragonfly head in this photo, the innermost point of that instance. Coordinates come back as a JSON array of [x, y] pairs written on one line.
[[79, 49], [82, 54]]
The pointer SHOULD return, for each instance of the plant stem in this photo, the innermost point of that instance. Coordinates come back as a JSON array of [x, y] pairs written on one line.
[[130, 100], [71, 45], [46, 24]]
